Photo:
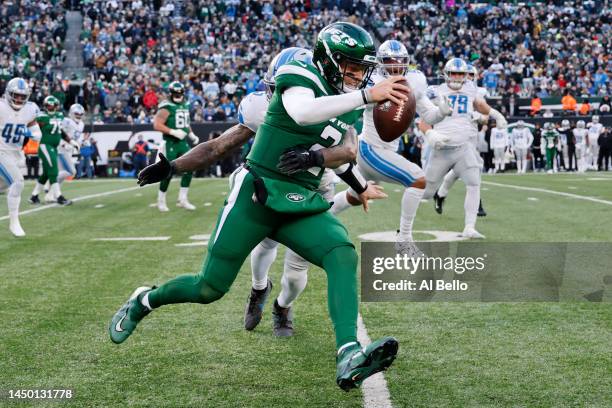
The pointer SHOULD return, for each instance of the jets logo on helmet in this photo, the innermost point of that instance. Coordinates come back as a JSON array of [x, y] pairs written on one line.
[[345, 55], [455, 73], [393, 58], [284, 57], [51, 103], [177, 92], [17, 93], [76, 111]]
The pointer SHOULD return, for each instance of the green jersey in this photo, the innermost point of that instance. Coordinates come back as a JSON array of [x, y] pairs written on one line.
[[51, 126], [550, 136], [178, 117], [279, 131]]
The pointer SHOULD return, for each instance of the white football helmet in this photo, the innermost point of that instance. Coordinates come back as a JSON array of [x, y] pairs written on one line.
[[565, 124], [595, 119], [455, 73], [76, 111], [472, 74], [548, 126], [520, 124], [580, 124], [17, 93], [284, 57], [393, 58]]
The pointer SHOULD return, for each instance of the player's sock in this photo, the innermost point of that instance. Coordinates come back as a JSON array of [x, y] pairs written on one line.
[[38, 188], [63, 175], [183, 193], [13, 198], [470, 206], [340, 202], [293, 282], [262, 257], [55, 190], [410, 204], [161, 196]]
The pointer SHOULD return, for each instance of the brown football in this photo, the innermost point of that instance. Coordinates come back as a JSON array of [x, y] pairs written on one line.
[[392, 120]]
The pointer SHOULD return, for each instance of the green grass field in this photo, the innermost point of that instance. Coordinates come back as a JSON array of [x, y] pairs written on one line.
[[60, 288]]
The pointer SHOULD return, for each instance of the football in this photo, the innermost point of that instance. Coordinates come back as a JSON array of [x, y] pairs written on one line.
[[392, 120]]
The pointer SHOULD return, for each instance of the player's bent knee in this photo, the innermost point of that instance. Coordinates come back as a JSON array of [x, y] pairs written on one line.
[[419, 183], [341, 259], [208, 294]]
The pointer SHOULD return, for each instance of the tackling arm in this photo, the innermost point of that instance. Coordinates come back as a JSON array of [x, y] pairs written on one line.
[[346, 152]]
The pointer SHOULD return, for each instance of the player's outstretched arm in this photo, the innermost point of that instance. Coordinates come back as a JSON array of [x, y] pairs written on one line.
[[483, 107]]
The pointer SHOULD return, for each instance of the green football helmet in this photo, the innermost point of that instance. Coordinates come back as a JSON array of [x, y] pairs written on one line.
[[51, 103], [177, 92], [341, 43]]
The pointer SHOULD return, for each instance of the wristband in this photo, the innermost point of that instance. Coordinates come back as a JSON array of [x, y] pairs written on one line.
[[364, 95]]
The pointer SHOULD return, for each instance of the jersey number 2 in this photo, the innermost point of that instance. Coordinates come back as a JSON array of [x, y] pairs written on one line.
[[329, 132]]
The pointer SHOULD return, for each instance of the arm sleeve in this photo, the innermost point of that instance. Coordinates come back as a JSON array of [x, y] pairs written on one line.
[[301, 104], [351, 176], [428, 111]]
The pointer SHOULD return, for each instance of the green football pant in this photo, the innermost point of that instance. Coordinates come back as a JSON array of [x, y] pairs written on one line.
[[174, 150], [48, 157], [551, 153], [320, 239]]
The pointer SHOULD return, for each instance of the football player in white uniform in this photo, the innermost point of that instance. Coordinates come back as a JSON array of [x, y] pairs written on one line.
[[499, 144], [580, 139], [378, 160], [594, 130], [18, 122], [73, 126], [450, 140], [522, 138], [451, 177]]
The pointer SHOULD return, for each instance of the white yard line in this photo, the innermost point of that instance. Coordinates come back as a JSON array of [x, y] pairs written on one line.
[[375, 391], [132, 239], [76, 199], [543, 190]]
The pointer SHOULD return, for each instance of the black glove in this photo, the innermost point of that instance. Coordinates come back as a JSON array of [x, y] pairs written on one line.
[[299, 159], [156, 172]]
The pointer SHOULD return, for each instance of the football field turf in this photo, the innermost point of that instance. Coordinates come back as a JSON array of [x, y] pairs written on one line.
[[61, 285]]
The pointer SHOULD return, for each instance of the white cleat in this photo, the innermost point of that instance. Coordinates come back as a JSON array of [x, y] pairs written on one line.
[[16, 229], [471, 233], [49, 198], [162, 207], [186, 205]]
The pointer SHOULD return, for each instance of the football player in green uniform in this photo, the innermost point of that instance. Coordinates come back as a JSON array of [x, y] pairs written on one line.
[[551, 137], [313, 106], [172, 119], [50, 122]]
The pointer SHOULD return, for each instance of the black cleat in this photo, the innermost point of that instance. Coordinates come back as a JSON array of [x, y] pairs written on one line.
[[255, 305], [282, 320], [61, 200], [481, 210], [438, 203], [34, 200]]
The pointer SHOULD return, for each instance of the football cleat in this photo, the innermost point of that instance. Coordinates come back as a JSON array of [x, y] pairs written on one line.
[[481, 210], [61, 200], [15, 227], [470, 232], [125, 320], [34, 200], [255, 306], [282, 320], [408, 247], [186, 205], [354, 363], [438, 203], [162, 207]]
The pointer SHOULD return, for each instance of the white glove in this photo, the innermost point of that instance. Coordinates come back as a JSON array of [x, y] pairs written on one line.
[[76, 146], [444, 106], [432, 92], [436, 139], [178, 133], [194, 139], [477, 116]]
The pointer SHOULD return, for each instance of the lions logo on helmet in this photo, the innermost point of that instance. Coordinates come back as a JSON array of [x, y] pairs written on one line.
[[17, 93], [76, 111], [455, 73], [51, 103], [284, 57], [177, 92], [393, 58]]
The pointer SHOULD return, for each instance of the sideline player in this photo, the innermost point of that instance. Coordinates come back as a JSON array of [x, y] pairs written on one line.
[[313, 106], [580, 140], [594, 130], [18, 122], [73, 126], [551, 139], [522, 138]]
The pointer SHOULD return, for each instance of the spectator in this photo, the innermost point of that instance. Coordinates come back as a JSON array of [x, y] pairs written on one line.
[[585, 107], [86, 153], [568, 103], [536, 105], [139, 154], [149, 99], [229, 108]]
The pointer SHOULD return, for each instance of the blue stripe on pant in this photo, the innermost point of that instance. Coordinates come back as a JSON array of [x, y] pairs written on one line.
[[383, 166], [6, 175], [63, 162]]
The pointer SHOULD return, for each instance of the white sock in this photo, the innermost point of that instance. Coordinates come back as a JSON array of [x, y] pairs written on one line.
[[37, 189], [63, 175], [470, 205], [410, 204], [447, 183], [47, 185], [183, 193], [293, 282], [346, 345], [13, 198], [340, 203], [161, 196], [262, 257], [55, 190], [145, 301]]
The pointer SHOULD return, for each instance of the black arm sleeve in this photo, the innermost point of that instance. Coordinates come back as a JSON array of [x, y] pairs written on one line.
[[354, 179]]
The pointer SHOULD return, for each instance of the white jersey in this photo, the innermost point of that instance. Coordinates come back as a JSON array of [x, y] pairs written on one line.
[[580, 136], [418, 83], [252, 110], [459, 126], [14, 124], [74, 129], [482, 92], [594, 130], [499, 138], [522, 138]]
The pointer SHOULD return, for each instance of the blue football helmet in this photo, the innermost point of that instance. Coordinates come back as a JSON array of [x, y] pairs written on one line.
[[284, 57]]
